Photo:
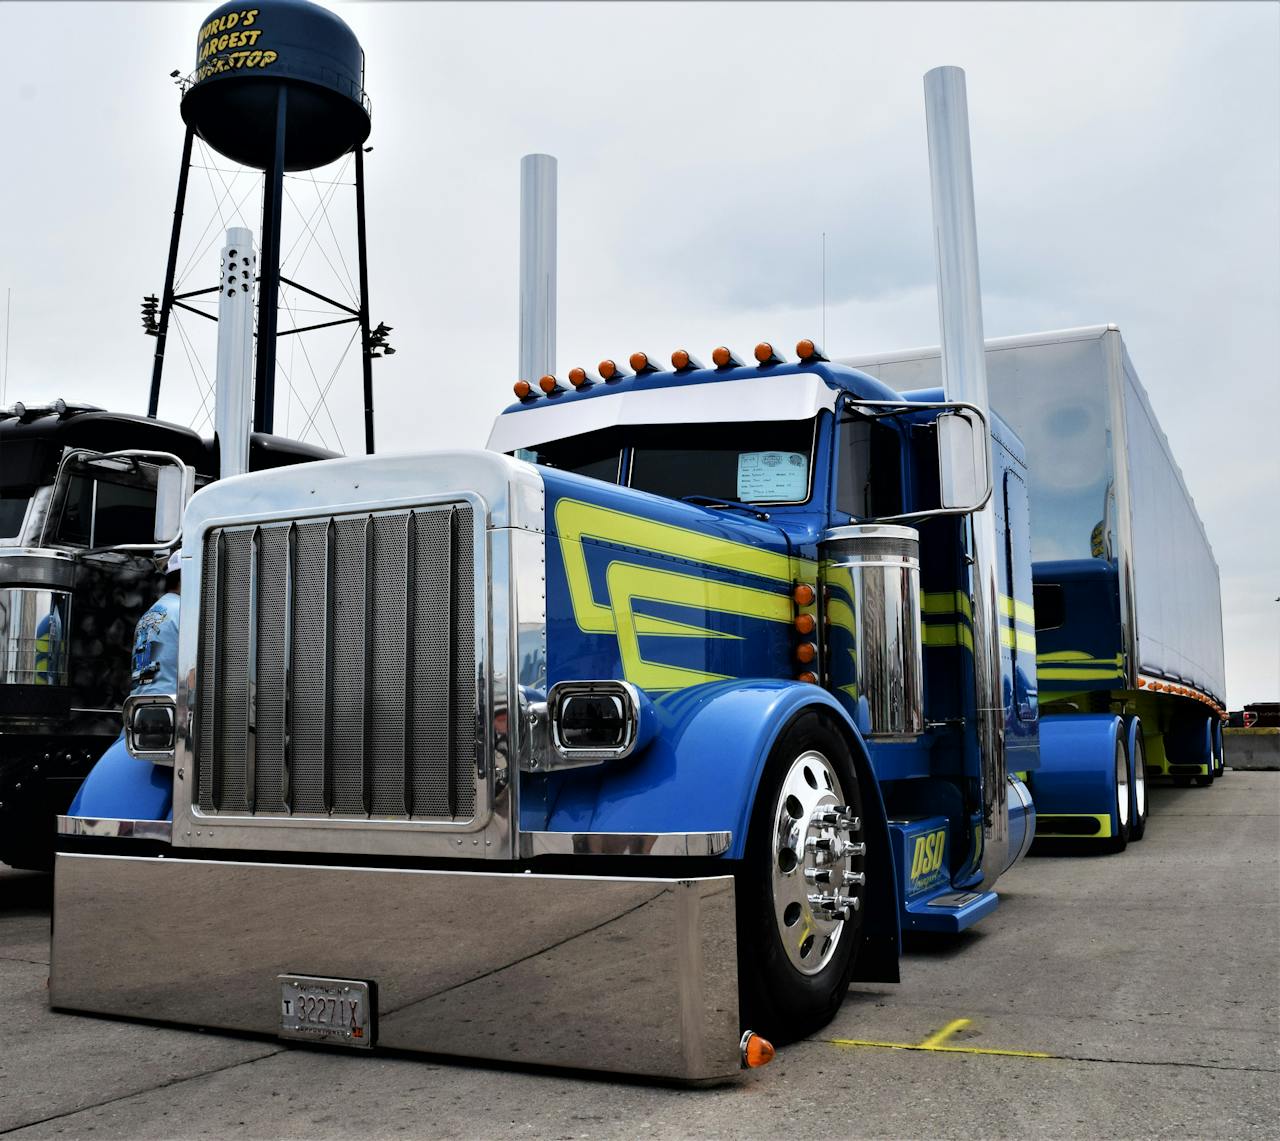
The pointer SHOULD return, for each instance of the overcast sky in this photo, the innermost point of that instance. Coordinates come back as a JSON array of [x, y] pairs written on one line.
[[1127, 169]]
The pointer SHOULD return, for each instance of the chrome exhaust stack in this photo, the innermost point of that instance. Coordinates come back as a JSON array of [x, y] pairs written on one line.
[[964, 377], [233, 380], [537, 267], [870, 577]]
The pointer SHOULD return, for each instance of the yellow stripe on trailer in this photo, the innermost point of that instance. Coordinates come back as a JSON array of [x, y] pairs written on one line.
[[1076, 665], [1103, 819]]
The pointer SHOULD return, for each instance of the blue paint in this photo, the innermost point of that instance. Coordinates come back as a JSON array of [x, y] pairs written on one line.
[[1077, 766], [121, 787]]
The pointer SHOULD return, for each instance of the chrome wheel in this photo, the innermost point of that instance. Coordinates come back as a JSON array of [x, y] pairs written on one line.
[[816, 888], [1122, 787]]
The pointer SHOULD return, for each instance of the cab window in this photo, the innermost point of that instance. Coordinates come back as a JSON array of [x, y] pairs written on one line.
[[99, 513], [868, 469]]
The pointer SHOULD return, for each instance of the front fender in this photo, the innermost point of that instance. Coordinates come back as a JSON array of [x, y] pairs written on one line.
[[701, 770], [1075, 787], [121, 787]]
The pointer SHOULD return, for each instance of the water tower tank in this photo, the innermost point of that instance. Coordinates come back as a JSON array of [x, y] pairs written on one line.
[[246, 55]]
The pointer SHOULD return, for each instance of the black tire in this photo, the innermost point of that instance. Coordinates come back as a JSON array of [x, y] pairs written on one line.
[[777, 998], [1120, 837], [1138, 783]]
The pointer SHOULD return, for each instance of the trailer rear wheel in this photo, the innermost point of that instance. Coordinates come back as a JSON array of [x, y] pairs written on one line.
[[1138, 813], [1120, 836], [801, 888]]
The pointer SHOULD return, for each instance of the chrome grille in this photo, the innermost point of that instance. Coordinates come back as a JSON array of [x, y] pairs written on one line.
[[337, 667]]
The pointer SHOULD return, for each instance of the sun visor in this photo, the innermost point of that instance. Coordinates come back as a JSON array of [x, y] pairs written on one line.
[[785, 397]]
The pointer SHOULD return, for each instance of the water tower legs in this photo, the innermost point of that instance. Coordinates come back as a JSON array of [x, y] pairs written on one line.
[[264, 397], [366, 349], [166, 303]]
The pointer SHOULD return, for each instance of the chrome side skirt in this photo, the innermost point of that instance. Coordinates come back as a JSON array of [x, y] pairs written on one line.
[[626, 975], [624, 843]]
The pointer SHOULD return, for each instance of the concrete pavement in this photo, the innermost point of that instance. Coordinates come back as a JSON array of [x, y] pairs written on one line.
[[1151, 980]]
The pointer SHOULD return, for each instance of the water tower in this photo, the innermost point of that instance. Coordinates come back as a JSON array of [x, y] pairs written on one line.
[[277, 87]]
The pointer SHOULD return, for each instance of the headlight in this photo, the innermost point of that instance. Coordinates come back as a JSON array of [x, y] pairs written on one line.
[[150, 727], [593, 720]]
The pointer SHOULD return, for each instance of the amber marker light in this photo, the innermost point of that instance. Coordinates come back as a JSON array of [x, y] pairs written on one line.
[[609, 371], [806, 652], [808, 677], [549, 384], [805, 624], [683, 359], [803, 594], [764, 352], [639, 361], [722, 357], [578, 377], [1142, 681], [756, 1051], [522, 388], [808, 351]]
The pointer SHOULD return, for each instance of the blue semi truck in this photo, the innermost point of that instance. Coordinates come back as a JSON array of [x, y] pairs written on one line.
[[625, 743], [1128, 606], [679, 682]]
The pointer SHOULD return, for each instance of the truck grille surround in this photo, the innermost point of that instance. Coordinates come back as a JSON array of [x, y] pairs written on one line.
[[337, 671]]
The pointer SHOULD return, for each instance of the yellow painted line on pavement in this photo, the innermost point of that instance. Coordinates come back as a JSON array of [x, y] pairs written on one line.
[[934, 1044], [945, 1033]]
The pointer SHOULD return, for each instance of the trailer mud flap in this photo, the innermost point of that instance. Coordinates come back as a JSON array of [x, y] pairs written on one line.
[[627, 975]]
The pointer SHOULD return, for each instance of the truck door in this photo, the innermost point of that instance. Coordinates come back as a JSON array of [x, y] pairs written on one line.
[[114, 512]]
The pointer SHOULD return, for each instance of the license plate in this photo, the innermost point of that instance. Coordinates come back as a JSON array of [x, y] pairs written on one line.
[[333, 1011]]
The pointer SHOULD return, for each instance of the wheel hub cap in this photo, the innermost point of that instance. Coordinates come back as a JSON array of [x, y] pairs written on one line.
[[817, 878]]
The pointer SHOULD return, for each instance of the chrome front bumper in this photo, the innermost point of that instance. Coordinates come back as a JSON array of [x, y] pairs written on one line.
[[619, 974]]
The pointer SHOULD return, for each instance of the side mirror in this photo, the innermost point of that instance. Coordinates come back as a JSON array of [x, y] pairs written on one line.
[[171, 498], [150, 727], [964, 472]]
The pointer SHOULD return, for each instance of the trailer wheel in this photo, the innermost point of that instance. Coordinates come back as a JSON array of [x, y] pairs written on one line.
[[1120, 837], [1138, 812], [801, 888]]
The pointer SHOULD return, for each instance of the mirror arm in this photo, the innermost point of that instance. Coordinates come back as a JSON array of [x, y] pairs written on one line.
[[937, 512]]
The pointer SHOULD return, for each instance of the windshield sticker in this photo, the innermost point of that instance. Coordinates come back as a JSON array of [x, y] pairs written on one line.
[[772, 476]]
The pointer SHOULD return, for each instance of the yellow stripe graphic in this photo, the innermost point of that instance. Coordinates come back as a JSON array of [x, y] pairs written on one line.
[[627, 583]]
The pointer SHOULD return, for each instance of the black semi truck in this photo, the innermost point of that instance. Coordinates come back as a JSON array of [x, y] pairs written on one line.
[[90, 505]]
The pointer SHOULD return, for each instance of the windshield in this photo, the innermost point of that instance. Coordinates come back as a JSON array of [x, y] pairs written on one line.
[[768, 462]]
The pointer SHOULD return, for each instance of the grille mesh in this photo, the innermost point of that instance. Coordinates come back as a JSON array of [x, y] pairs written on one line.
[[338, 668]]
